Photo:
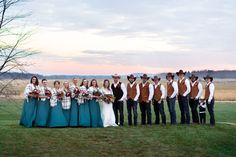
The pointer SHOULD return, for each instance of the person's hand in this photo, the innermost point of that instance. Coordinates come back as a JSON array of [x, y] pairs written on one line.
[[147, 101]]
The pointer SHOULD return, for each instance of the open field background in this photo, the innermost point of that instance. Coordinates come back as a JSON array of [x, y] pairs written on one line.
[[179, 140], [225, 88]]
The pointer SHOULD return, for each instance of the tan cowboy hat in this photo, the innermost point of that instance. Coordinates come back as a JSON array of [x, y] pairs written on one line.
[[208, 77], [180, 72], [144, 77], [156, 78], [131, 76], [170, 75], [193, 76], [115, 76]]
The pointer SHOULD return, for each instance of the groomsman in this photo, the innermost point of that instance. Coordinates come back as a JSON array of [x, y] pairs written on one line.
[[184, 90], [158, 103], [132, 98], [120, 93], [209, 97], [172, 91], [195, 94], [146, 95]]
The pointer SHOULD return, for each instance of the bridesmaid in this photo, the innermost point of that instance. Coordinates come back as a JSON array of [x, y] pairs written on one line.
[[84, 112], [31, 94], [56, 116], [74, 112], [95, 114], [66, 101], [43, 105]]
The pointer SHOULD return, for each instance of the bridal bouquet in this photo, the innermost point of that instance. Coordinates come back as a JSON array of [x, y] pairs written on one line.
[[68, 93], [108, 98], [35, 93], [60, 95], [97, 93], [76, 91]]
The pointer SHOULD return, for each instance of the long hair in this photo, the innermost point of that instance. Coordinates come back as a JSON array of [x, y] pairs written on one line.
[[37, 80], [91, 83], [82, 83], [106, 80], [54, 83]]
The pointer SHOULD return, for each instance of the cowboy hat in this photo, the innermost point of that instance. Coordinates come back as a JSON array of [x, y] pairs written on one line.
[[131, 76], [208, 77], [193, 76], [170, 75], [145, 77], [115, 76], [180, 72], [156, 78]]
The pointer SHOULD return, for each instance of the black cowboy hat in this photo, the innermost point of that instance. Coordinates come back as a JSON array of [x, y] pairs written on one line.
[[131, 76], [145, 77], [208, 77], [170, 75], [156, 78], [180, 72], [193, 76], [115, 76]]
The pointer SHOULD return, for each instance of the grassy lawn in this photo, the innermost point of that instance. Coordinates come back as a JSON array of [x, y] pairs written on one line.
[[126, 141]]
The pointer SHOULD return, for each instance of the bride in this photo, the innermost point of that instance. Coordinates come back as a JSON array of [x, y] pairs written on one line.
[[107, 113]]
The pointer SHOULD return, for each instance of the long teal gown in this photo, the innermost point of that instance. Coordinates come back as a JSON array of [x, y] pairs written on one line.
[[56, 116], [84, 114], [95, 114], [74, 113], [67, 115], [42, 113], [28, 114]]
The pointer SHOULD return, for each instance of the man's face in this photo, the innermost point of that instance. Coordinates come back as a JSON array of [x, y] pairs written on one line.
[[116, 79], [181, 76], [131, 80], [156, 81], [144, 80], [208, 80], [193, 79], [169, 78]]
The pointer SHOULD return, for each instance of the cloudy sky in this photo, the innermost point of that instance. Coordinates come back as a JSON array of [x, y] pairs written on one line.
[[126, 36]]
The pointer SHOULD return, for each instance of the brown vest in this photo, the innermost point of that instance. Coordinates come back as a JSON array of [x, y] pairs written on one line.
[[207, 91], [194, 90], [170, 89], [157, 93], [182, 87], [144, 92], [131, 92]]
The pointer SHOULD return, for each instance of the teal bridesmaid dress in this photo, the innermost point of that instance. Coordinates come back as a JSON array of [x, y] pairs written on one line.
[[74, 113], [66, 113], [84, 114], [29, 112], [56, 116], [95, 114], [42, 113]]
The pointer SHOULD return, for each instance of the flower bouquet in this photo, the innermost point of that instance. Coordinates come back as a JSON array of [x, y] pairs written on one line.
[[35, 93], [48, 93], [68, 93], [83, 95], [108, 98], [60, 95], [76, 92]]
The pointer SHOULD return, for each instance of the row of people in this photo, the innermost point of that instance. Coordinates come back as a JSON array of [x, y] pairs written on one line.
[[88, 106]]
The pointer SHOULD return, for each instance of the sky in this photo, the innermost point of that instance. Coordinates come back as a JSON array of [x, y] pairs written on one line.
[[129, 36]]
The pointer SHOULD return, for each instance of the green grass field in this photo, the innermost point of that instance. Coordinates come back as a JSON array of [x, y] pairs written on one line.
[[179, 140]]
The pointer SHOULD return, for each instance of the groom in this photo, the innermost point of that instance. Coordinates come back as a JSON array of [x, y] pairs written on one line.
[[120, 93]]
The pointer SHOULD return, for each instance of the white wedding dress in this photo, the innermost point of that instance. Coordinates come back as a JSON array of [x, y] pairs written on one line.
[[107, 113]]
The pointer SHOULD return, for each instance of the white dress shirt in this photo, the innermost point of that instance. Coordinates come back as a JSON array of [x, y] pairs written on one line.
[[123, 88], [151, 91], [176, 89], [162, 88], [199, 89], [212, 91], [187, 84], [137, 90]]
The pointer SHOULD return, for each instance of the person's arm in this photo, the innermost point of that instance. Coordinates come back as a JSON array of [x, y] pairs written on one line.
[[162, 92], [212, 90], [199, 90], [124, 92], [138, 93], [176, 90], [53, 100], [27, 91], [187, 83], [151, 92]]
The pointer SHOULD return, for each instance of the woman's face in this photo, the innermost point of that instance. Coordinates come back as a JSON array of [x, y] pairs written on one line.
[[85, 83], [45, 83], [106, 83], [66, 85], [94, 83], [34, 80], [57, 85]]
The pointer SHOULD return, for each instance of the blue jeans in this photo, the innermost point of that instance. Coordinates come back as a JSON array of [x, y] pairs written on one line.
[[171, 107], [132, 106], [210, 108], [159, 109], [184, 109]]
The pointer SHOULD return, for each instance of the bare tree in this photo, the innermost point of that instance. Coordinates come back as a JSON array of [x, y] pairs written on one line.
[[11, 54]]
